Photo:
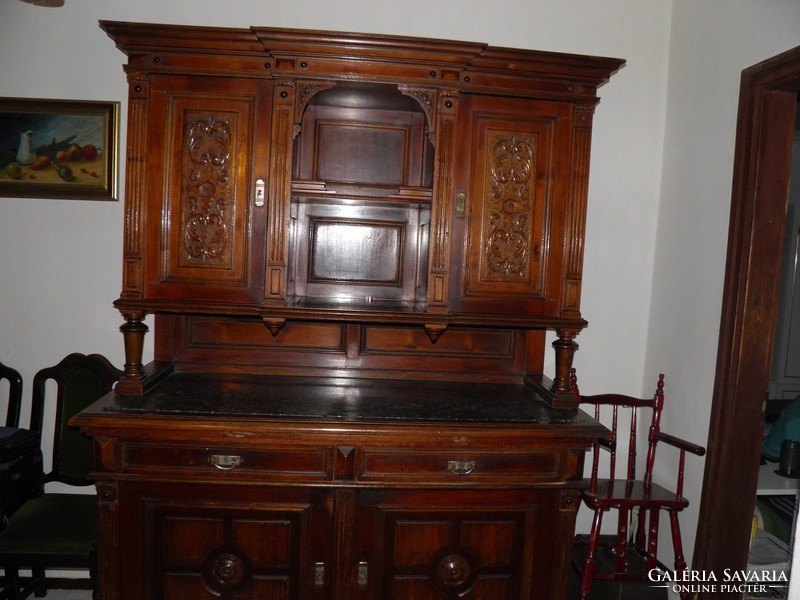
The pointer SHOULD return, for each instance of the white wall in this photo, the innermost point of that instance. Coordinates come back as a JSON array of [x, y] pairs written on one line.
[[711, 43], [60, 261]]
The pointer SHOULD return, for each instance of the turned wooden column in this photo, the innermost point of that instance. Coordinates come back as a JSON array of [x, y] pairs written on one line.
[[565, 347], [133, 331]]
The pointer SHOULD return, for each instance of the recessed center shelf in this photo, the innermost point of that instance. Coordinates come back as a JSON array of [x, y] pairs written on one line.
[[361, 197]]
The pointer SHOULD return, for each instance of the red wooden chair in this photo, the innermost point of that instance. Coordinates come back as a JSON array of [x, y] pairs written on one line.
[[640, 499]]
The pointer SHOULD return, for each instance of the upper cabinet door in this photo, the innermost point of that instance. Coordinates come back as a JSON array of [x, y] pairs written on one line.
[[512, 194], [206, 181]]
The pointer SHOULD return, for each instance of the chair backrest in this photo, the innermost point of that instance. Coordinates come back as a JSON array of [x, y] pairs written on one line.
[[80, 381], [14, 394], [618, 404]]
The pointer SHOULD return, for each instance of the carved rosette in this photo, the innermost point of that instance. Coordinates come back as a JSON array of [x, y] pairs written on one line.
[[207, 207], [453, 574], [508, 209], [226, 570]]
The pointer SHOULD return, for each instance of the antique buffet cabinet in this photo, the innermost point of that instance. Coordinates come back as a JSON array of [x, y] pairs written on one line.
[[349, 249]]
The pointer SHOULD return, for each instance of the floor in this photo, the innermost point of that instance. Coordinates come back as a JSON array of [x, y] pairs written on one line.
[[68, 595]]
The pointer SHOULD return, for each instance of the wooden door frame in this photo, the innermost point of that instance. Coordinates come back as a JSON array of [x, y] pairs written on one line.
[[767, 104]]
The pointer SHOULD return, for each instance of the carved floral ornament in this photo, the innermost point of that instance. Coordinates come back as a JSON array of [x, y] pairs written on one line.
[[508, 207], [207, 204]]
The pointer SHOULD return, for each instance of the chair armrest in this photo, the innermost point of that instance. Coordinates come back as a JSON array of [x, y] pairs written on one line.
[[681, 444]]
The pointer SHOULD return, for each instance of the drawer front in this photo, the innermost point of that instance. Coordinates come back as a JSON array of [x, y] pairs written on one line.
[[289, 465], [458, 467]]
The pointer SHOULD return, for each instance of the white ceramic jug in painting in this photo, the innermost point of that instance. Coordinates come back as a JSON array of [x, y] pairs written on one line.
[[26, 154]]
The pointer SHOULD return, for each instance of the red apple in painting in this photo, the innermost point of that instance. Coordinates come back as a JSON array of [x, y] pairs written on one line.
[[73, 152], [61, 156], [89, 152]]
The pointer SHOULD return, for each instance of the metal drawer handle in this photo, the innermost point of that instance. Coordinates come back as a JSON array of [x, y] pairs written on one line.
[[461, 467], [226, 461]]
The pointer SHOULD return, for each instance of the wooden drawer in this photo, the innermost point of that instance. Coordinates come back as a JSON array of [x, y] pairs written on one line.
[[279, 464], [458, 467]]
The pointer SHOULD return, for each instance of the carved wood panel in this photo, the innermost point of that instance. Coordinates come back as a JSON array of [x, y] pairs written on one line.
[[508, 207], [208, 226], [208, 213]]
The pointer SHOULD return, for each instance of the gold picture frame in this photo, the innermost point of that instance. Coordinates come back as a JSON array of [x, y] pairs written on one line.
[[58, 148]]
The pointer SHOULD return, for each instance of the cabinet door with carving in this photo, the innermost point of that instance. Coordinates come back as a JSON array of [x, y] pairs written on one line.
[[512, 192], [240, 543], [209, 140], [436, 545]]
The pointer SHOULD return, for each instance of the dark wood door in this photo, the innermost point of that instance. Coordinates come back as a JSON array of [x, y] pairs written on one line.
[[206, 215], [237, 542], [767, 115], [512, 191], [448, 545]]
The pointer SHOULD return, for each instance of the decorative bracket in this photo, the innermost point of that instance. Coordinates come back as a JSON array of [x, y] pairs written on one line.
[[274, 324], [434, 330], [427, 99], [306, 90]]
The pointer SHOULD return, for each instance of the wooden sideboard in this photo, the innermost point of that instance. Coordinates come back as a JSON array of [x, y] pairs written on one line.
[[351, 247]]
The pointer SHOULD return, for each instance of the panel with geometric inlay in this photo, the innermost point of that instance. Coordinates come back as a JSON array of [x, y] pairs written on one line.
[[435, 546], [236, 548]]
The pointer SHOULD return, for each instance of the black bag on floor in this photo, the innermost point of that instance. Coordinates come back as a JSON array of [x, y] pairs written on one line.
[[21, 470]]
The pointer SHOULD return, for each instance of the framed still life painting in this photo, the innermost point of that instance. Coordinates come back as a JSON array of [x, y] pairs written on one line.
[[58, 148]]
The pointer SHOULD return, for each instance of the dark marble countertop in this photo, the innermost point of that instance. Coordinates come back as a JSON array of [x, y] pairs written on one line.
[[354, 400]]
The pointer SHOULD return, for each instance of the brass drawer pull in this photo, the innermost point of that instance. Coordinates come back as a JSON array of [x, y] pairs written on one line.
[[226, 461], [461, 467]]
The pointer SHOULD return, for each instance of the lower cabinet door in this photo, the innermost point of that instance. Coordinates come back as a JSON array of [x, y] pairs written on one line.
[[246, 542], [448, 545], [237, 542]]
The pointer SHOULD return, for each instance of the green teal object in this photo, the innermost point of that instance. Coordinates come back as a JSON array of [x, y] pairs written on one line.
[[787, 427]]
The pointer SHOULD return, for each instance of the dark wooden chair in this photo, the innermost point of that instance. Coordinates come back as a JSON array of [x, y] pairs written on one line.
[[14, 394], [20, 457], [58, 530], [630, 554]]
